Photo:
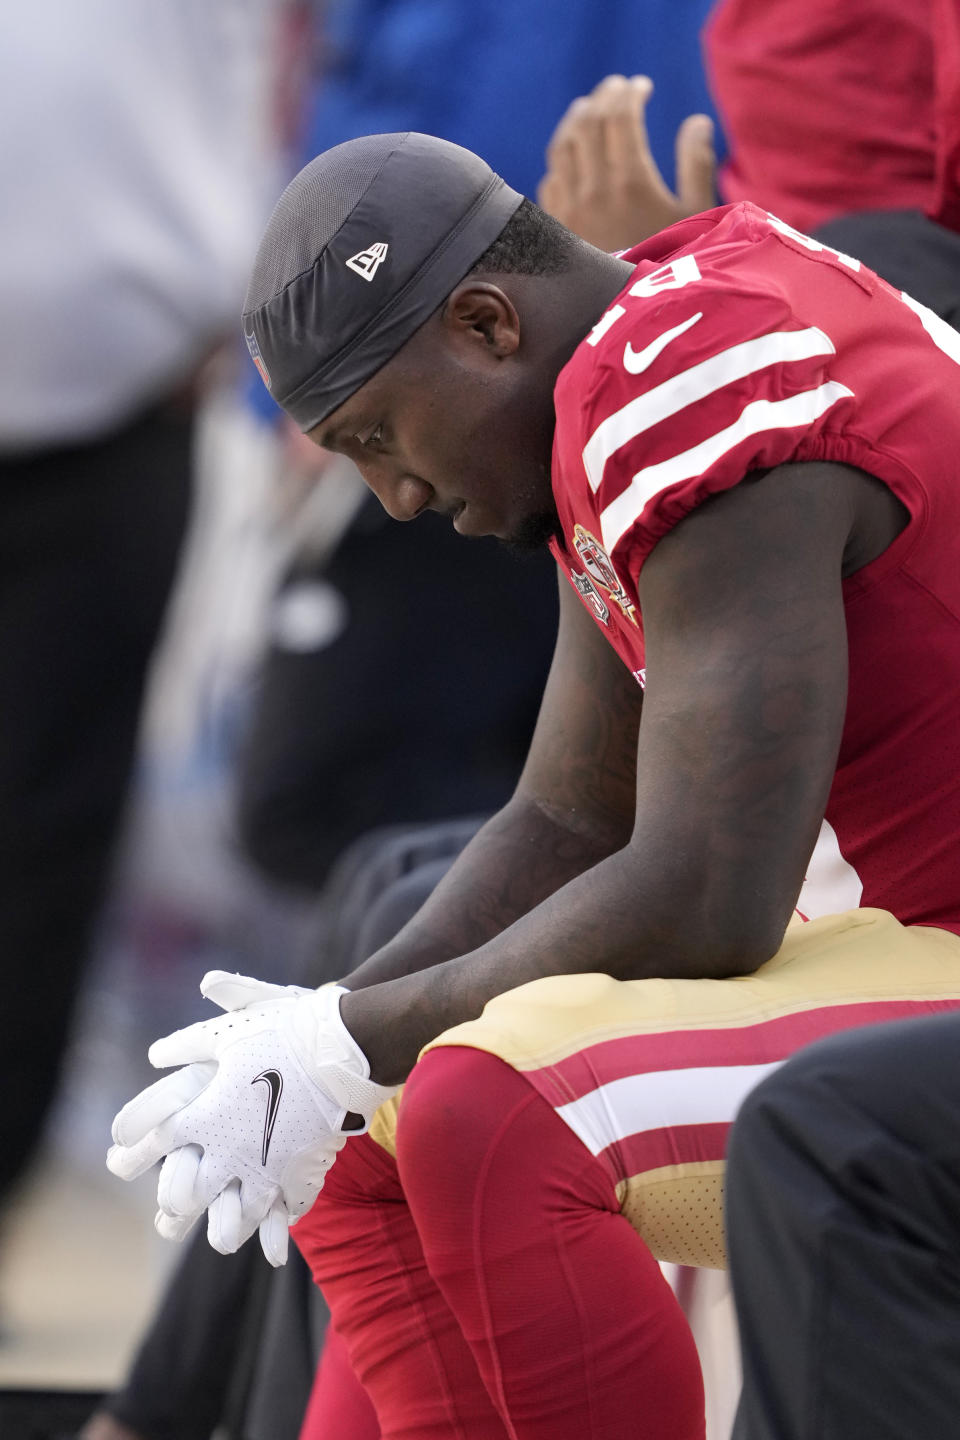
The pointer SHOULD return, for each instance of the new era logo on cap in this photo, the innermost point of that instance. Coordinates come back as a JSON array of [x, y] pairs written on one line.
[[367, 262]]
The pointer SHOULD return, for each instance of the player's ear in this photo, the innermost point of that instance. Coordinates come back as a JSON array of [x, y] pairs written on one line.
[[477, 313]]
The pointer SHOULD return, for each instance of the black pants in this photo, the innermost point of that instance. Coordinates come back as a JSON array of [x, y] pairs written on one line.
[[89, 537], [843, 1205]]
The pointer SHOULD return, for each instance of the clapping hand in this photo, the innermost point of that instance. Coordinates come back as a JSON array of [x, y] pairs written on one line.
[[602, 181]]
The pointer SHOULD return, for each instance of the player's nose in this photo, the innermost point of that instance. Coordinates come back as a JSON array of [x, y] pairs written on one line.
[[402, 496]]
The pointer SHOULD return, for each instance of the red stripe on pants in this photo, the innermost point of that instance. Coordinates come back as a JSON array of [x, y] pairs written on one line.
[[752, 1043]]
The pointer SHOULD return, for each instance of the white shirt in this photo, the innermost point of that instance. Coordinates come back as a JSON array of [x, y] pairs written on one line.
[[136, 170]]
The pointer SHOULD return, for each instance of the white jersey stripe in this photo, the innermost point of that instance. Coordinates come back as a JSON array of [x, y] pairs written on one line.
[[760, 415], [701, 380], [707, 1095]]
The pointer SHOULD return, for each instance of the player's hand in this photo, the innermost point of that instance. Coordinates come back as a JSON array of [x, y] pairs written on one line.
[[602, 181], [255, 1118]]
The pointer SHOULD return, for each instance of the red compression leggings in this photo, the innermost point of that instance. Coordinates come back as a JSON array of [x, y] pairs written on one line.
[[486, 1286]]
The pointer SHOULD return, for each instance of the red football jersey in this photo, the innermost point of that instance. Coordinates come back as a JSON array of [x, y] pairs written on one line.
[[738, 345]]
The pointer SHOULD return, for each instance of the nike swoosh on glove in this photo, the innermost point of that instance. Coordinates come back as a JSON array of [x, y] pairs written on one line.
[[253, 1121]]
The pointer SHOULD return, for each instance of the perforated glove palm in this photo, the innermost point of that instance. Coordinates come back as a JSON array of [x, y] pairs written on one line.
[[252, 1123]]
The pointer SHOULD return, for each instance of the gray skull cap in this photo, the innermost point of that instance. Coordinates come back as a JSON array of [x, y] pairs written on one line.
[[364, 245]]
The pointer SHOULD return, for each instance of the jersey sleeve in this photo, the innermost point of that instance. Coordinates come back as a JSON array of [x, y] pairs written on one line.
[[691, 395]]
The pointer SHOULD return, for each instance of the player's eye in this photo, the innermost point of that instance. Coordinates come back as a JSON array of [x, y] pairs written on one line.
[[370, 439]]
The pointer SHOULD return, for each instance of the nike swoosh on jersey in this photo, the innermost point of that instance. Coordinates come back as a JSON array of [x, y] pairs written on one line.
[[274, 1080], [636, 361]]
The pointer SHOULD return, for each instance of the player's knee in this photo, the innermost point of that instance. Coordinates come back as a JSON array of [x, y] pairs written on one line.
[[460, 1108], [442, 1103]]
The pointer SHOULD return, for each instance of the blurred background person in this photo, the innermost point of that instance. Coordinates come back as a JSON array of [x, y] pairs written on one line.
[[133, 184], [845, 122], [868, 166], [501, 74], [142, 147]]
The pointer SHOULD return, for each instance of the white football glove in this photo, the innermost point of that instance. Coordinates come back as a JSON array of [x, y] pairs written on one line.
[[252, 1123]]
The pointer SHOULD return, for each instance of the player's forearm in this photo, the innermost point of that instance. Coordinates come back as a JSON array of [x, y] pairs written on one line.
[[626, 917], [516, 861]]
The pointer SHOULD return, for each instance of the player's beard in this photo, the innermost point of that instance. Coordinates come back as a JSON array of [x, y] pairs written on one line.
[[533, 533], [540, 525]]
